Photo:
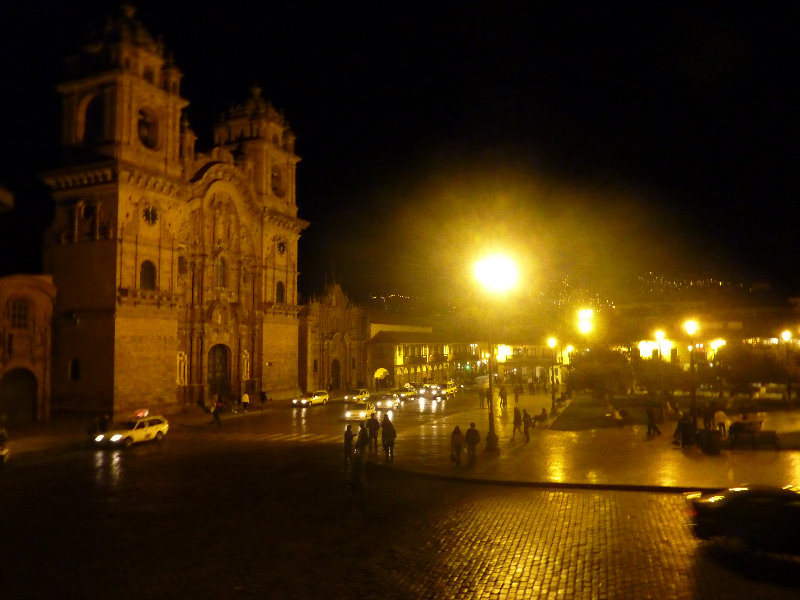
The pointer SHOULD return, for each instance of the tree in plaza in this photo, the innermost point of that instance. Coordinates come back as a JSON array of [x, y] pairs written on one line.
[[653, 377], [600, 371], [743, 364]]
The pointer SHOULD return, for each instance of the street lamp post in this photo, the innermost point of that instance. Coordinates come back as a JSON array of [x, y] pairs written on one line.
[[786, 336], [691, 328], [552, 343], [496, 274], [660, 338]]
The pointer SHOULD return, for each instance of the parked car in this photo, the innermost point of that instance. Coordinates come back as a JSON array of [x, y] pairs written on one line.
[[763, 518], [142, 428], [357, 395], [318, 397]]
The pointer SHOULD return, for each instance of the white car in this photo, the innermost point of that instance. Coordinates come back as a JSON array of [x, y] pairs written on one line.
[[318, 397], [357, 395], [404, 393], [387, 401], [138, 429], [358, 412]]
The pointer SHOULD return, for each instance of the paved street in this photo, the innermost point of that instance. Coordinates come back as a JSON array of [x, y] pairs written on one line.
[[258, 509]]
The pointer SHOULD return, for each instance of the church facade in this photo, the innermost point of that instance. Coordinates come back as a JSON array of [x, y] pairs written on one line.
[[176, 271], [333, 343]]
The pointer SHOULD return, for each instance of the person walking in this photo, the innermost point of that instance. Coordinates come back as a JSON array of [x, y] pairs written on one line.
[[472, 439], [456, 444], [348, 445], [388, 436], [481, 396], [215, 410], [245, 401], [503, 397], [517, 422], [526, 425], [373, 427], [488, 395], [652, 428], [516, 394]]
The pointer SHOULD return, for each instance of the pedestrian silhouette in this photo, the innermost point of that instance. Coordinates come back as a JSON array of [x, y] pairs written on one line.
[[348, 445], [526, 425], [517, 422], [373, 426], [472, 438], [652, 428], [456, 444], [388, 436], [362, 441], [215, 410]]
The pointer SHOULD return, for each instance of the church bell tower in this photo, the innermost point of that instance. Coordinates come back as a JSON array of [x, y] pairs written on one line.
[[111, 246]]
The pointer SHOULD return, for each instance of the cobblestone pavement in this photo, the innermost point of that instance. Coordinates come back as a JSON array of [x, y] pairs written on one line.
[[221, 517]]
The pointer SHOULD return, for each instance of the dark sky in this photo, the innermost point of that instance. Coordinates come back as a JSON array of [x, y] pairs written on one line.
[[595, 142]]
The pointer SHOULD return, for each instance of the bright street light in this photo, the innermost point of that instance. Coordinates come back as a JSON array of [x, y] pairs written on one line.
[[691, 326], [552, 342], [585, 317], [497, 273], [786, 335]]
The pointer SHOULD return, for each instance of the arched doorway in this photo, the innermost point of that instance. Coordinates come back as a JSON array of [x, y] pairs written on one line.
[[336, 374], [18, 396], [381, 379], [219, 370]]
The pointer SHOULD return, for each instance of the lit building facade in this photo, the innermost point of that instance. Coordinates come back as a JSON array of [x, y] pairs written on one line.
[[26, 313], [176, 271], [333, 337]]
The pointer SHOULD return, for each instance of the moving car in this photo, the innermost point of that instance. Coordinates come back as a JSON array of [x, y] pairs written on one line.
[[318, 397], [450, 388], [141, 428], [357, 395], [386, 401], [404, 393], [763, 518], [358, 411]]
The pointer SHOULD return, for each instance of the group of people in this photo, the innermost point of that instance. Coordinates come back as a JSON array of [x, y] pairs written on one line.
[[357, 446], [524, 421], [458, 440]]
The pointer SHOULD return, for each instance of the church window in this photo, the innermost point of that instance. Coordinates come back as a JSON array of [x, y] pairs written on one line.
[[147, 276], [19, 310], [278, 186], [182, 268], [74, 370], [280, 296], [315, 365], [148, 129], [149, 76], [93, 121], [220, 276]]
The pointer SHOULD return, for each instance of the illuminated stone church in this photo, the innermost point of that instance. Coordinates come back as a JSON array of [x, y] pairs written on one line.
[[176, 271]]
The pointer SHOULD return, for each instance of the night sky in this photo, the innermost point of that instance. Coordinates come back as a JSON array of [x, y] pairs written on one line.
[[594, 142]]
